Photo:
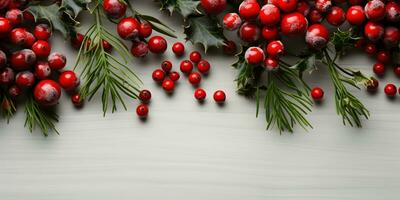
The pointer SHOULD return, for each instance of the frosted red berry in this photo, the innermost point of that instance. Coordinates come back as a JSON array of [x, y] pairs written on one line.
[[200, 94], [232, 21], [114, 9], [375, 10], [23, 59], [269, 15], [77, 40], [372, 84], [25, 79], [323, 5], [7, 76], [68, 80], [157, 44], [254, 55], [293, 24], [128, 28], [317, 93], [219, 96], [303, 7], [42, 70], [392, 11], [47, 92], [213, 6], [249, 9], [14, 91], [271, 64], [18, 36], [57, 61], [15, 16], [178, 48], [317, 36], [42, 32], [139, 49], [186, 66]]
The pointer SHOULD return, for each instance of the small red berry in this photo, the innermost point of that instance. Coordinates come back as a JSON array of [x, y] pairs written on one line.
[[254, 55], [355, 15], [25, 79], [375, 10], [178, 48], [315, 16], [232, 21], [390, 90], [166, 66], [174, 76], [323, 5], [293, 24], [47, 92], [30, 40], [383, 57], [200, 94], [194, 78], [249, 9], [249, 32], [145, 30], [213, 6], [42, 32], [23, 59], [41, 48], [7, 76], [18, 36], [15, 16], [392, 10], [157, 44], [336, 16], [142, 110], [139, 49], [379, 69], [396, 70], [391, 37], [5, 26], [42, 70], [287, 5], [195, 56], [275, 49], [317, 36], [373, 31], [370, 48], [270, 33], [219, 96], [77, 100], [145, 96], [372, 84], [158, 75], [114, 9], [317, 93], [270, 15], [106, 45], [14, 91], [303, 7], [128, 28], [68, 80], [271, 64], [203, 66], [168, 85], [57, 61], [186, 66]]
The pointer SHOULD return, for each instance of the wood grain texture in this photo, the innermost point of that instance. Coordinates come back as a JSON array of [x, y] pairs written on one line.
[[191, 151]]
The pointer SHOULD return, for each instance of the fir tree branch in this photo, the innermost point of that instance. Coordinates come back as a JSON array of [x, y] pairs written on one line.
[[37, 116]]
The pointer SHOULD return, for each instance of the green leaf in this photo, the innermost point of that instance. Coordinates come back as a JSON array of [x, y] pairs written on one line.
[[73, 7], [184, 7], [305, 63], [204, 31]]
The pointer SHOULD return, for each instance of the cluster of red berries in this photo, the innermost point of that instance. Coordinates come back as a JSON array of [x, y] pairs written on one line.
[[26, 61]]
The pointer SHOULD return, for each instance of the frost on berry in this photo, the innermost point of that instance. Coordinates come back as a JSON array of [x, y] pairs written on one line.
[[315, 41]]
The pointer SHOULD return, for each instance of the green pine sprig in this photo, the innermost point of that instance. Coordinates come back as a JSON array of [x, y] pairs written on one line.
[[37, 116]]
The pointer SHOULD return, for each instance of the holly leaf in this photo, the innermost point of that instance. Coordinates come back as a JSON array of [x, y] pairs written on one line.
[[184, 7], [73, 7], [305, 64], [204, 31], [248, 77], [51, 13]]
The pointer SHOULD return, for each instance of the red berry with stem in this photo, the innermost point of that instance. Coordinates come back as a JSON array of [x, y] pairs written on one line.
[[270, 15], [219, 96], [47, 92], [25, 79], [317, 36], [200, 94], [15, 16], [396, 70], [287, 5], [139, 49], [275, 49], [186, 66], [7, 76], [293, 24], [42, 70], [232, 21], [203, 66], [254, 55], [355, 15], [317, 93], [142, 110], [145, 30], [271, 64], [379, 69], [390, 90], [114, 9], [392, 11], [158, 75], [323, 5], [195, 56], [270, 33], [168, 85], [373, 31], [213, 6], [42, 32], [68, 80], [157, 44], [145, 96], [174, 76], [375, 10], [249, 32], [336, 16], [77, 100], [18, 36], [370, 48], [23, 59], [166, 66], [249, 9], [315, 16], [178, 48], [383, 57], [229, 47], [194, 78], [391, 36], [372, 84], [5, 26], [57, 61], [128, 28], [41, 48]]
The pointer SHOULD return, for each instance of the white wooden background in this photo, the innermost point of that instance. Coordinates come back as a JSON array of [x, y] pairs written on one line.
[[191, 151]]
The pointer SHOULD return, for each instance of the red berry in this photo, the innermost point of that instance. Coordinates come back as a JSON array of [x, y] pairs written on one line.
[[142, 110], [232, 21], [396, 70], [200, 94], [323, 5], [195, 56], [355, 15], [370, 48], [28, 17], [145, 30], [375, 10], [203, 66], [23, 59], [293, 24], [254, 55], [77, 40], [145, 96], [174, 76], [383, 57], [317, 93], [213, 6], [287, 5], [392, 10], [317, 36], [390, 90], [15, 16], [373, 31], [379, 69], [42, 70], [249, 9], [372, 84], [114, 9], [391, 37], [168, 85], [5, 26], [303, 7], [219, 96], [57, 61], [271, 64], [158, 75], [229, 47], [139, 49], [157, 44], [106, 45], [128, 28], [194, 78], [30, 40], [270, 33], [275, 49], [249, 32], [41, 48], [178, 48], [270, 15], [14, 91], [6, 76], [186, 66], [336, 16], [166, 65], [47, 92], [25, 79], [68, 80], [315, 16], [77, 100], [42, 32], [18, 36]]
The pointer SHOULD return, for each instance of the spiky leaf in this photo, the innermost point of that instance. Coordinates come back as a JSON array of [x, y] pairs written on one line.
[[184, 7], [73, 7]]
